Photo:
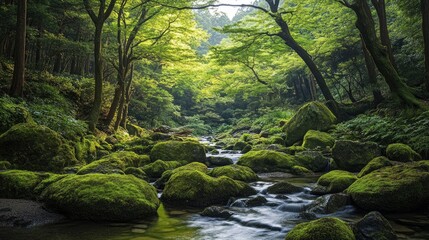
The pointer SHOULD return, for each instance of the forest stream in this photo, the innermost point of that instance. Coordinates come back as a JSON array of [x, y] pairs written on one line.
[[267, 220]]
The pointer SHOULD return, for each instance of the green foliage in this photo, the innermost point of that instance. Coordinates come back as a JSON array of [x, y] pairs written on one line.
[[324, 228], [12, 113]]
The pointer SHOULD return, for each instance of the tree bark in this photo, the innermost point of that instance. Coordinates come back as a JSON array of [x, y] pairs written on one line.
[[366, 26], [372, 74], [425, 28], [17, 85]]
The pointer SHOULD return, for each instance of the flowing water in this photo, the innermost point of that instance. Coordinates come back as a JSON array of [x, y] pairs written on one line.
[[270, 221]]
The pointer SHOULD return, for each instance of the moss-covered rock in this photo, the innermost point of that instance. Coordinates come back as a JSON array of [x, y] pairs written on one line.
[[12, 113], [101, 197], [239, 145], [5, 165], [353, 156], [19, 183], [283, 188], [314, 139], [86, 149], [311, 116], [375, 164], [236, 172], [400, 188], [115, 163], [138, 131], [267, 161], [219, 161], [334, 182], [157, 168], [178, 151], [301, 171], [402, 153], [324, 228], [194, 188], [313, 160], [36, 148], [136, 172], [197, 166]]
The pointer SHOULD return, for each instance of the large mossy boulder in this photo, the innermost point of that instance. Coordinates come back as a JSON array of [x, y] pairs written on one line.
[[100, 197], [236, 172], [197, 189], [115, 163], [375, 164], [312, 160], [316, 139], [311, 116], [157, 168], [400, 188], [37, 148], [324, 228], [194, 166], [178, 151], [402, 153], [334, 182], [267, 161], [352, 156], [12, 113], [20, 184]]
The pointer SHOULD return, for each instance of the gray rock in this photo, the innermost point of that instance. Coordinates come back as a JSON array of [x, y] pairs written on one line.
[[219, 161], [283, 188], [256, 201], [216, 212], [374, 226], [353, 156], [329, 203]]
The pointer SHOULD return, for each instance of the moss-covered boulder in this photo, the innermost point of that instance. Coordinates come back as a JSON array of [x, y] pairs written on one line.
[[157, 168], [34, 147], [375, 164], [301, 171], [115, 163], [219, 161], [324, 228], [194, 188], [283, 188], [352, 156], [334, 182], [311, 116], [86, 149], [402, 153], [267, 161], [5, 165], [19, 183], [136, 172], [100, 197], [197, 166], [236, 172], [314, 139], [178, 151], [400, 188], [312, 160], [12, 113]]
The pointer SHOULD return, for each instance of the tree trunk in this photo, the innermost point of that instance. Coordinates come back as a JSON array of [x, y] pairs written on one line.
[[115, 103], [379, 53], [17, 85], [380, 8], [425, 27], [372, 74]]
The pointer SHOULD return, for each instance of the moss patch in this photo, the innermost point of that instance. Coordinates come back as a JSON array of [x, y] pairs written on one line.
[[336, 181], [190, 166], [178, 151], [12, 113], [36, 148], [400, 188], [311, 116], [314, 139], [375, 164], [324, 228], [157, 168], [313, 160], [236, 172], [267, 161], [402, 153], [101, 197], [194, 188], [20, 184]]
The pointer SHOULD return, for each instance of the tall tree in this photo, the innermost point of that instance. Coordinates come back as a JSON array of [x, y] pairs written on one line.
[[99, 19], [425, 28], [17, 86]]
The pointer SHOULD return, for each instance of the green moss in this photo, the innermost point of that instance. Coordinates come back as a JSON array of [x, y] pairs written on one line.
[[402, 153], [314, 139], [400, 188], [86, 149], [311, 116], [324, 228], [48, 181], [101, 197], [235, 172], [178, 151], [336, 181], [35, 148], [137, 172], [352, 156], [277, 140], [138, 131], [239, 145], [283, 188], [375, 164], [5, 165], [301, 171], [190, 166], [157, 168], [267, 161], [115, 163], [194, 188], [19, 184], [313, 160], [12, 113]]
